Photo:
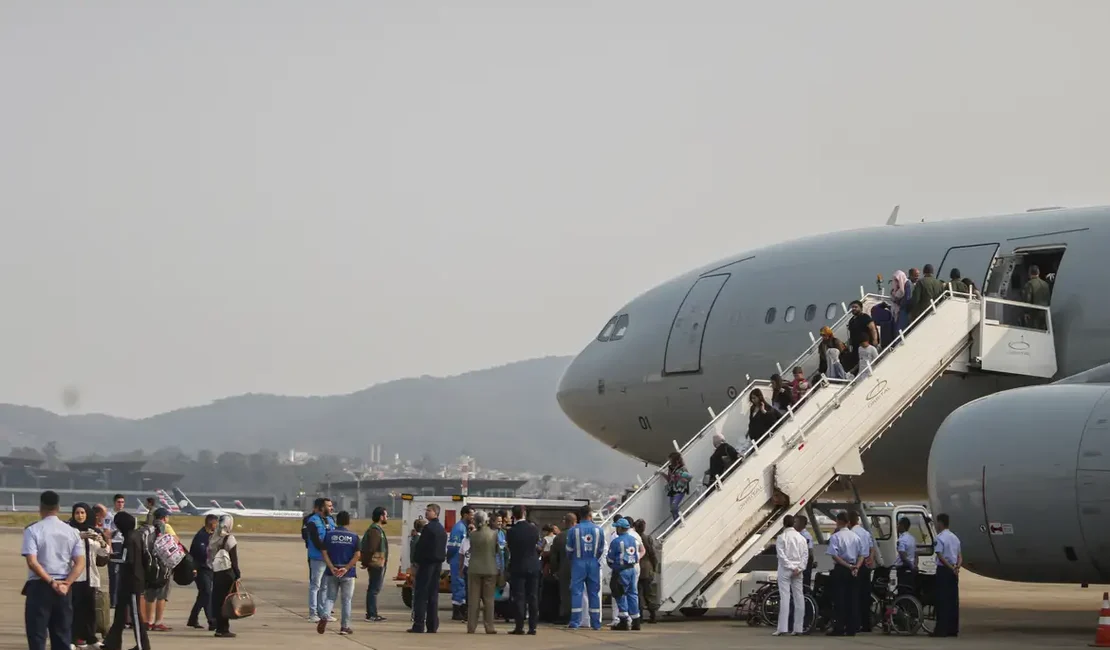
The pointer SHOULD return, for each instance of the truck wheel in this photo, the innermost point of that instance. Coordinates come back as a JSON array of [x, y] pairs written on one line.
[[693, 612], [406, 596]]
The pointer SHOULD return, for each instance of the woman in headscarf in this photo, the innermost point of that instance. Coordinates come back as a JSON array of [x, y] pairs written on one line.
[[223, 559], [724, 455], [900, 293], [830, 350], [85, 587]]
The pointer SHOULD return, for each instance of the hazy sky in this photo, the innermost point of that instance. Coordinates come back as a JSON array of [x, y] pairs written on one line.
[[201, 199]]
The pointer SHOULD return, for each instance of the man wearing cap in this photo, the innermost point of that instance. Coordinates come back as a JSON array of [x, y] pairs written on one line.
[[622, 558]]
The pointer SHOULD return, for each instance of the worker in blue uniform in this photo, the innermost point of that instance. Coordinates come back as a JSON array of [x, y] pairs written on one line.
[[585, 547], [622, 558], [455, 561]]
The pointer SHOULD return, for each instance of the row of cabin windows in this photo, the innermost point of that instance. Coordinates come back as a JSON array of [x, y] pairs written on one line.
[[791, 313], [614, 330]]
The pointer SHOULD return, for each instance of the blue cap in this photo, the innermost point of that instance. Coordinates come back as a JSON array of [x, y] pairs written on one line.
[[621, 523]]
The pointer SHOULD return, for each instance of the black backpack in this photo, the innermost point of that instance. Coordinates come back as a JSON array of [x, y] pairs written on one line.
[[183, 573], [305, 529]]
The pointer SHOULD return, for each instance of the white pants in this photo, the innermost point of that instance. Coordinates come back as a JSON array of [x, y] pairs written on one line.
[[790, 589]]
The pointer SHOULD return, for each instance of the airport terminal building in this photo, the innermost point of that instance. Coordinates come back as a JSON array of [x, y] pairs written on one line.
[[22, 480]]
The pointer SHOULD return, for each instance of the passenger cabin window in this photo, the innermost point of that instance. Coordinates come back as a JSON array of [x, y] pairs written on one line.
[[830, 311], [811, 311], [770, 317], [620, 328], [607, 331], [789, 315], [881, 528], [919, 528]]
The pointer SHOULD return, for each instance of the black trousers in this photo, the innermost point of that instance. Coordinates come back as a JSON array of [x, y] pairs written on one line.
[[204, 598], [47, 614], [84, 612], [864, 593], [222, 582], [947, 602], [127, 603], [907, 580], [845, 601], [425, 597], [524, 589]]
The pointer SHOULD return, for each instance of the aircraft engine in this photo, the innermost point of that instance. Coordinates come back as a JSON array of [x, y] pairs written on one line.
[[1024, 476]]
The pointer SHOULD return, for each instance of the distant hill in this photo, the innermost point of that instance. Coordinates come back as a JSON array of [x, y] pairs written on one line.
[[506, 417]]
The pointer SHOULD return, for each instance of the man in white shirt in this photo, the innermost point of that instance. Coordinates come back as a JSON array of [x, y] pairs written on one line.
[[870, 552], [119, 502], [793, 554]]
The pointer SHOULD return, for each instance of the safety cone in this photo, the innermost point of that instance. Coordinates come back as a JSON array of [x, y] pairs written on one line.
[[1102, 634]]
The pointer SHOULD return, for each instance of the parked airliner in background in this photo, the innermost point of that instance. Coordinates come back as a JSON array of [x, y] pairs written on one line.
[[1024, 473], [188, 508]]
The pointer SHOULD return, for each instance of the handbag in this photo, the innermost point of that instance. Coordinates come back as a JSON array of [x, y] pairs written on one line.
[[239, 603], [103, 611]]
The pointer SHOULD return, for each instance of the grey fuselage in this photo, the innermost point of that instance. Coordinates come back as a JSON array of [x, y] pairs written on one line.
[[618, 392]]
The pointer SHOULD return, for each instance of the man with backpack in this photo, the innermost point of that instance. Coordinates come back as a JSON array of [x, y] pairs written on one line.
[[314, 530], [375, 557]]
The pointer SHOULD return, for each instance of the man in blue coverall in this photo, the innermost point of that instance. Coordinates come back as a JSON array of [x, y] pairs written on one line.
[[622, 559], [585, 547], [455, 561]]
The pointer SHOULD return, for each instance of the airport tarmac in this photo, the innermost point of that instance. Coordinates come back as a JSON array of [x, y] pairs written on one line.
[[994, 614]]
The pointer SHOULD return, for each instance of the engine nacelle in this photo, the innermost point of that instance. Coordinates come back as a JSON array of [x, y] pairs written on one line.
[[1024, 476]]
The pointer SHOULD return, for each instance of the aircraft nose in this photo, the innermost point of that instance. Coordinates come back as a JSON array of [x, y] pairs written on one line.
[[574, 396]]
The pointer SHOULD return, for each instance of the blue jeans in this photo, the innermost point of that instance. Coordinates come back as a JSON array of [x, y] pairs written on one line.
[[676, 502], [204, 598], [336, 588], [317, 591], [377, 577]]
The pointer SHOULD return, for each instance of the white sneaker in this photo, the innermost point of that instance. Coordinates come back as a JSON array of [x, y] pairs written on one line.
[[332, 619], [777, 633], [314, 619]]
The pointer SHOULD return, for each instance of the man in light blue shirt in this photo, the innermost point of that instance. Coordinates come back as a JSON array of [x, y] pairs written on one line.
[[846, 551], [949, 561], [870, 561], [55, 559], [905, 566], [800, 523]]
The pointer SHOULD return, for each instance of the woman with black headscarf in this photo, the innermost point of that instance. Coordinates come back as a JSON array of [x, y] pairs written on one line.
[[85, 587]]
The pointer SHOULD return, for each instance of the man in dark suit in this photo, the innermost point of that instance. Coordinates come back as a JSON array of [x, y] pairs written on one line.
[[560, 567], [523, 540], [431, 551]]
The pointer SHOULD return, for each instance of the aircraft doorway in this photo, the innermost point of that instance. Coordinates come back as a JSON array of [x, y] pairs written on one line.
[[1010, 273], [972, 261], [683, 352]]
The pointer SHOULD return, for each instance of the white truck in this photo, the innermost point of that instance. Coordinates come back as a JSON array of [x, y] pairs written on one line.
[[882, 521], [539, 511]]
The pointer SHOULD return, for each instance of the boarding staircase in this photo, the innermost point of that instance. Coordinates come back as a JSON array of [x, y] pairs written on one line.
[[722, 527]]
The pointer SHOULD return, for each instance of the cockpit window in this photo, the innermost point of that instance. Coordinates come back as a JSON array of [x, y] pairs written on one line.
[[607, 331], [620, 328]]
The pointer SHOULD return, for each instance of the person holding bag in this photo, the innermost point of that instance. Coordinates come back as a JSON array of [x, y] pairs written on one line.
[[223, 559], [88, 583]]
